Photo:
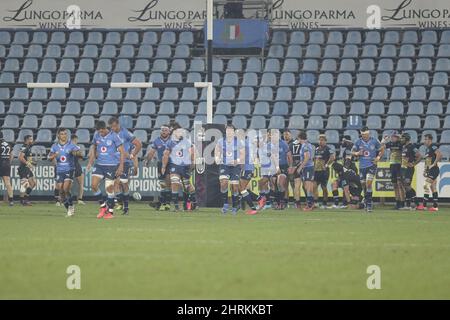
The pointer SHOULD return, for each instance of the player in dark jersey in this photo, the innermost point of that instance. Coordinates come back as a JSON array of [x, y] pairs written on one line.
[[432, 157], [294, 177], [410, 158], [157, 151], [250, 142], [350, 183], [287, 137], [27, 182], [323, 158], [283, 162], [393, 143], [6, 156], [78, 174]]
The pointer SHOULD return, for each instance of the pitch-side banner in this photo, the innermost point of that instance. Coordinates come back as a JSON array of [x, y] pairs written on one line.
[[174, 14], [145, 182]]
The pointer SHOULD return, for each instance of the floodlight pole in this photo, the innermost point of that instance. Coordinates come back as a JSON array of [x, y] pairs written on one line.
[[209, 28]]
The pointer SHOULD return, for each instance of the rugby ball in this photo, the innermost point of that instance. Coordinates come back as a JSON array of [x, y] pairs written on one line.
[[137, 196]]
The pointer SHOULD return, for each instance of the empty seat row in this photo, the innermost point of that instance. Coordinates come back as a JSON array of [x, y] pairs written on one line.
[[96, 37], [359, 37]]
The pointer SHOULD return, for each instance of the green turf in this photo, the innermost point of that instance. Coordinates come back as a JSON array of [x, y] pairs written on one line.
[[204, 255]]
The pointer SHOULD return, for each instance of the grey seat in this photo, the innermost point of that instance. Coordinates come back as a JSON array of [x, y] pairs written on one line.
[[129, 108], [287, 79], [297, 37], [382, 79], [299, 108], [412, 122], [83, 136], [432, 122], [276, 51], [183, 121], [16, 107], [144, 122], [325, 79], [443, 64], [388, 65], [435, 107], [396, 107], [227, 93], [11, 121], [388, 51], [401, 79], [440, 79], [318, 108], [170, 94], [344, 79], [223, 107], [313, 51], [8, 134], [133, 94], [334, 122], [141, 135], [357, 108], [290, 65], [268, 79], [87, 122], [112, 37], [376, 108], [316, 37], [340, 94], [303, 94], [30, 121], [398, 93], [369, 51], [261, 108], [350, 51], [250, 79], [43, 136], [373, 122], [366, 65], [258, 122], [189, 94], [337, 108], [147, 107], [68, 121], [186, 107], [309, 65], [322, 94], [276, 122], [279, 37], [220, 119], [239, 122], [347, 65], [53, 107], [360, 93], [110, 108], [379, 93], [313, 136], [437, 93], [354, 122], [246, 93], [332, 136], [283, 94], [35, 107], [48, 122], [423, 64], [372, 37], [415, 107], [280, 108], [166, 107], [444, 50], [150, 37], [243, 108], [272, 65], [296, 122], [392, 122], [315, 122]]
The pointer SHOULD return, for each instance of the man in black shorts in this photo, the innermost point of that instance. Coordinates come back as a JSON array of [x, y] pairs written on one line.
[[6, 156], [432, 157], [323, 157], [79, 175], [27, 182], [351, 185], [393, 143], [410, 158]]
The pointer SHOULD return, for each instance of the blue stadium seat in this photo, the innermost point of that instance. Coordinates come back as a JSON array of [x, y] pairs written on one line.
[[296, 122], [410, 36]]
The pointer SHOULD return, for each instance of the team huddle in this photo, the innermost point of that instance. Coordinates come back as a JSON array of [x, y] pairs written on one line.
[[283, 161]]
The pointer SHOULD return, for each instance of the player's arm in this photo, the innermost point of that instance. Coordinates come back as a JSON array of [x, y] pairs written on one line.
[[438, 158], [306, 158], [165, 161], [380, 153], [331, 159], [356, 152], [122, 160], [52, 155], [23, 160], [149, 156], [417, 159], [137, 148], [290, 159], [91, 156]]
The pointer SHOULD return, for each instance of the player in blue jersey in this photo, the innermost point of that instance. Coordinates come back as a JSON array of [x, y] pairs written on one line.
[[109, 165], [64, 153], [229, 153], [266, 159], [132, 146], [157, 149], [178, 160], [282, 165], [369, 150], [306, 170], [250, 143]]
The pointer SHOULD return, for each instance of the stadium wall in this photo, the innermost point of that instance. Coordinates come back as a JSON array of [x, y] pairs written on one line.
[[173, 14]]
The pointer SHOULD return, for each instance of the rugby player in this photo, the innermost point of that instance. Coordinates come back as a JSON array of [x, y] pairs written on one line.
[[350, 183], [6, 156], [78, 174], [294, 177], [324, 156], [410, 158], [432, 157], [250, 143], [26, 166], [306, 170], [393, 143], [284, 158]]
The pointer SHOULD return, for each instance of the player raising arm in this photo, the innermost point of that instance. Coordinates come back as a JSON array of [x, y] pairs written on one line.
[[64, 153], [109, 164]]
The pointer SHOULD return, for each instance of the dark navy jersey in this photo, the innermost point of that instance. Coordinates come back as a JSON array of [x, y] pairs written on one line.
[[430, 155], [295, 147], [5, 151], [26, 150], [409, 152], [321, 157], [396, 151]]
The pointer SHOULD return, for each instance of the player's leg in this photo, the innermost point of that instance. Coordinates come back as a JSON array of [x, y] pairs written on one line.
[[9, 189], [434, 173], [234, 182], [175, 183], [245, 194], [124, 189], [273, 191], [370, 175], [263, 187], [335, 189], [68, 203], [297, 190], [191, 203], [80, 181], [282, 187], [410, 193], [308, 182], [224, 179], [97, 177]]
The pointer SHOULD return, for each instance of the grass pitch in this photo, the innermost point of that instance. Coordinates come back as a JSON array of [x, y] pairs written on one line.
[[205, 255]]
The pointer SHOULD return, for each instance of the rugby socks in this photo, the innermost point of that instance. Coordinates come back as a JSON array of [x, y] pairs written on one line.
[[426, 199], [101, 200], [125, 200], [235, 200], [410, 197], [224, 197], [175, 199], [165, 196], [193, 199], [435, 199], [28, 192], [119, 197], [248, 199], [336, 197], [110, 203], [309, 199], [368, 197]]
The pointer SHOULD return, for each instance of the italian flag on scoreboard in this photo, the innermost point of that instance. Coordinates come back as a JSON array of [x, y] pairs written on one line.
[[234, 31]]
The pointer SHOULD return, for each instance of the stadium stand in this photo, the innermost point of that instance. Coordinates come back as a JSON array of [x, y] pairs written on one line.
[[324, 81]]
